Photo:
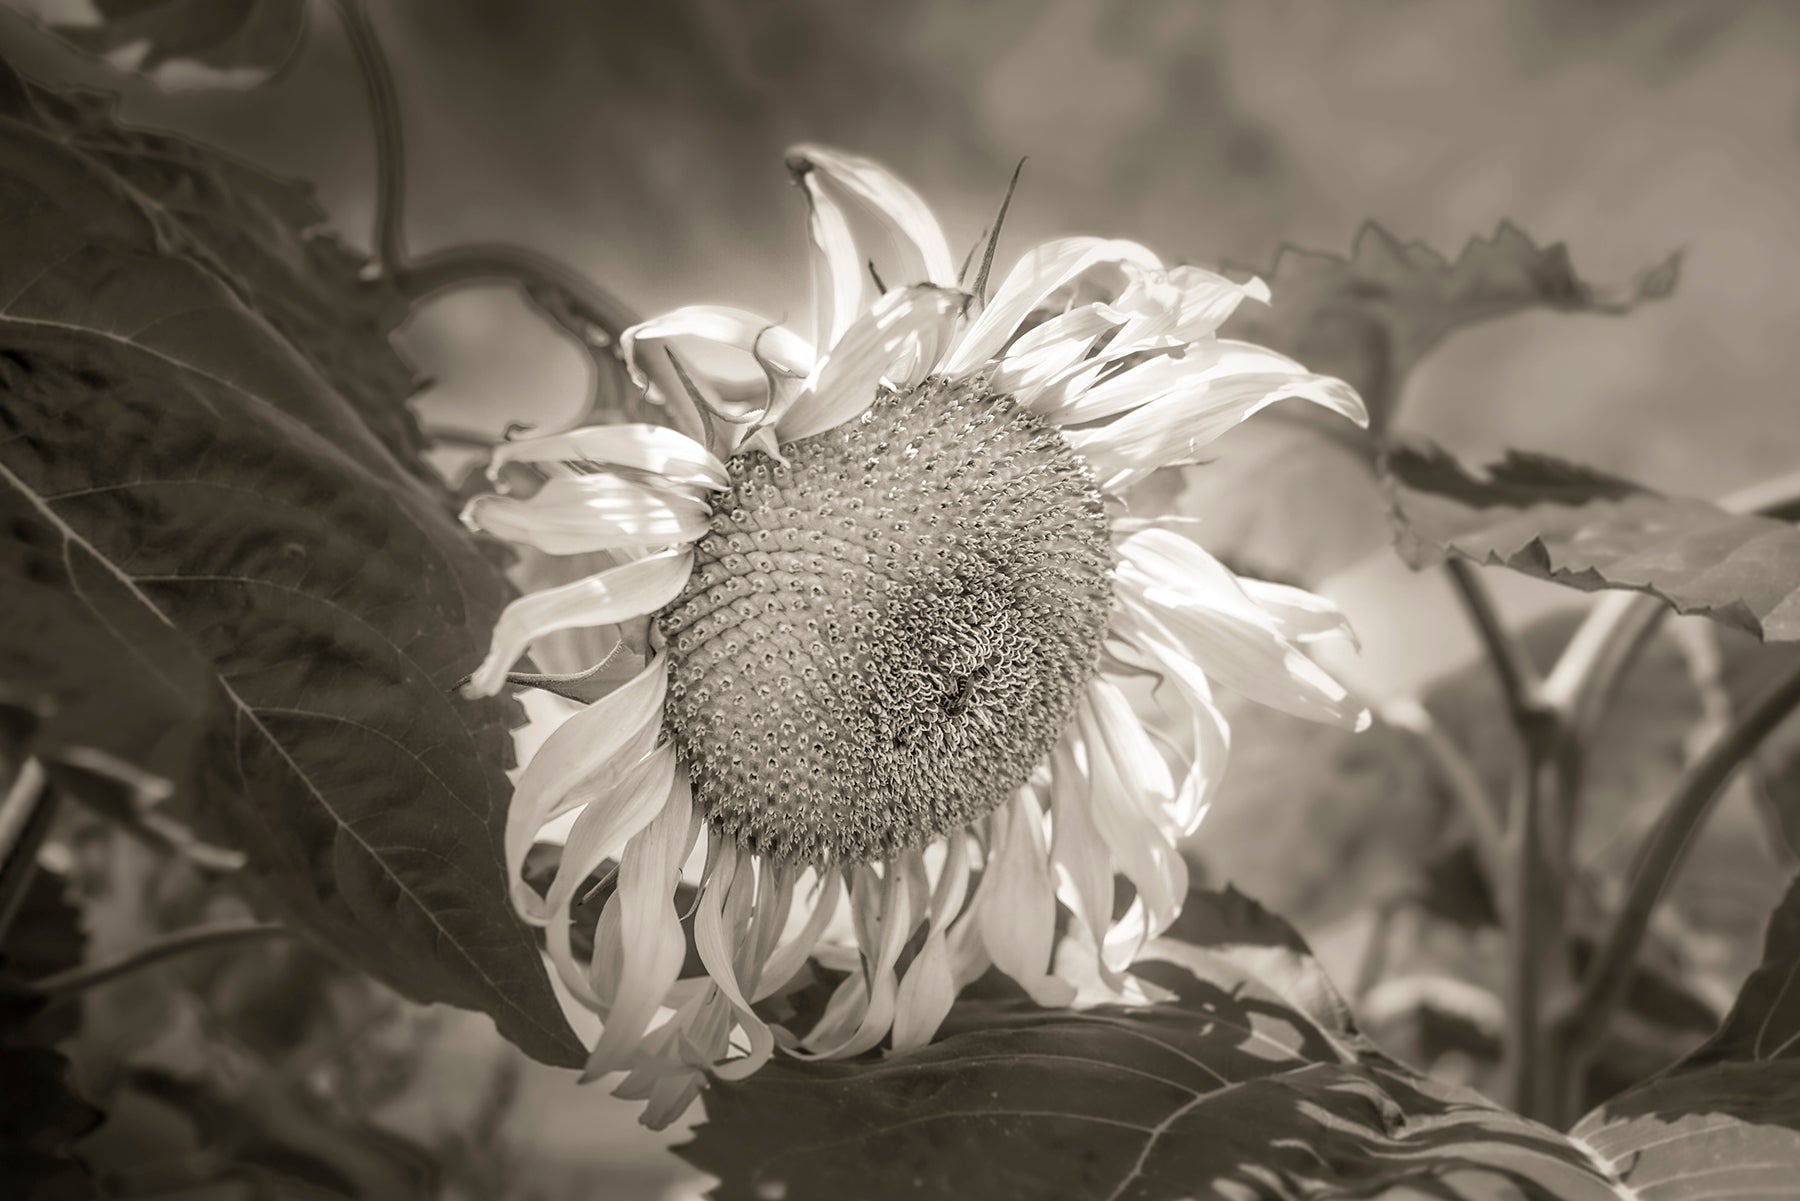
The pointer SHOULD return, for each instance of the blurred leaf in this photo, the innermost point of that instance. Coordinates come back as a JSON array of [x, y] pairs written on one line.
[[1764, 1024], [1572, 525], [1291, 495], [1226, 1090], [42, 1116], [217, 572], [185, 43]]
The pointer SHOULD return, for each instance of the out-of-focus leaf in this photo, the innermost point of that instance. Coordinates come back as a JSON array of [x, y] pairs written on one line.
[[1228, 1090], [183, 43], [218, 572], [1572, 525], [1369, 319], [42, 1117], [1291, 494], [1764, 1024]]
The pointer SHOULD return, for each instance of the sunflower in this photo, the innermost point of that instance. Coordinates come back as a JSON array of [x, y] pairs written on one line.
[[895, 625]]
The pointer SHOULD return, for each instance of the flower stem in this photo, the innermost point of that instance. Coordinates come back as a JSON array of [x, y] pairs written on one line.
[[76, 980], [1687, 810]]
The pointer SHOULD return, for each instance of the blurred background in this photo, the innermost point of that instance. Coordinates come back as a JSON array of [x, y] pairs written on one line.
[[643, 144]]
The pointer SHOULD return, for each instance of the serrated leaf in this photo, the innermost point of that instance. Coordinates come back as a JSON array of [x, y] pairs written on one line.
[[1292, 493], [219, 573], [1572, 525], [184, 43], [1228, 1091]]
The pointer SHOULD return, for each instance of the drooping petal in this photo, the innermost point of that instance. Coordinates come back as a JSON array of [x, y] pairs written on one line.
[[1077, 849], [868, 999], [733, 875], [1033, 278], [1017, 911], [1051, 349], [772, 344], [655, 450], [581, 514], [1176, 422], [650, 959], [1182, 304], [596, 742], [1300, 615], [628, 590], [1209, 736], [599, 834], [845, 383], [831, 176], [787, 958], [1174, 585]]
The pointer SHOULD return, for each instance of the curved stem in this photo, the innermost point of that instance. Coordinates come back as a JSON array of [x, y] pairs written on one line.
[[1519, 682], [1460, 777], [75, 980], [1686, 812], [390, 147]]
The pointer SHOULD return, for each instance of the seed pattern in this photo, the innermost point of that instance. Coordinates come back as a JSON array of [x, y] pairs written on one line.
[[883, 636]]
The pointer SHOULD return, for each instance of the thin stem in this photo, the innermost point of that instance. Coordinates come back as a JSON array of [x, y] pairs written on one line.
[[1460, 777], [25, 817], [1519, 682], [390, 145], [1687, 810], [76, 980]]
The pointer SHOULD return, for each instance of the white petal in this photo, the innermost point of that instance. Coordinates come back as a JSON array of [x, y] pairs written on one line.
[[655, 449], [926, 993], [1052, 349], [1182, 304], [598, 742], [650, 959], [1180, 589], [772, 344], [1175, 423], [1018, 914], [1300, 615], [868, 998], [599, 834], [1077, 848], [838, 279], [846, 381], [902, 215], [581, 514], [790, 956], [711, 942], [1209, 735], [628, 590], [1033, 278]]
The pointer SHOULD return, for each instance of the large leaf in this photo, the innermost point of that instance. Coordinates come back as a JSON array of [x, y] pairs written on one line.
[[1726, 1121], [1250, 1083], [1564, 522], [1291, 494], [218, 572], [214, 43]]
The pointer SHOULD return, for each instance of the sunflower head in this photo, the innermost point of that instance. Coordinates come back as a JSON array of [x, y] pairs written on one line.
[[888, 609]]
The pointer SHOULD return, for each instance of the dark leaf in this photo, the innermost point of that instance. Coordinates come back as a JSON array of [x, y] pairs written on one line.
[[1563, 522], [219, 573], [220, 43], [1764, 1024], [1228, 1090], [42, 1116]]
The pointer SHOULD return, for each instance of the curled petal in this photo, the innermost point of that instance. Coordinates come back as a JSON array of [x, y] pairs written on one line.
[[653, 449], [773, 345], [1300, 615], [829, 175], [906, 320], [1033, 278], [628, 590], [595, 743], [649, 960], [732, 880], [573, 515], [1179, 589], [1017, 905], [1181, 305]]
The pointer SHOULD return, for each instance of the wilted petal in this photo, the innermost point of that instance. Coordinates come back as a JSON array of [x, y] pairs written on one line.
[[831, 176], [650, 959], [654, 449], [598, 741], [732, 874], [1300, 615], [846, 380], [1032, 280], [1182, 304], [787, 958], [1017, 903], [628, 590], [773, 345], [1178, 588], [573, 515]]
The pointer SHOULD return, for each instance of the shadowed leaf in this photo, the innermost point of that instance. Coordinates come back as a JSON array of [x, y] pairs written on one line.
[[1572, 525], [217, 571]]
